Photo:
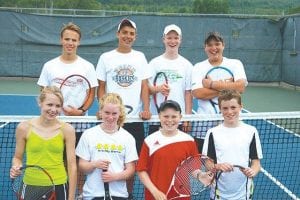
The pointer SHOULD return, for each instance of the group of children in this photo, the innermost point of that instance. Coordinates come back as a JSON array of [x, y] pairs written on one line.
[[108, 152]]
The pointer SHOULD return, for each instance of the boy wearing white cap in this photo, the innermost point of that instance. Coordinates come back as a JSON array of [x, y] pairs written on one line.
[[177, 69]]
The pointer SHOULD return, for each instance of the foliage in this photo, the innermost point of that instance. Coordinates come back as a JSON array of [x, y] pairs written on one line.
[[275, 7], [211, 6], [63, 4]]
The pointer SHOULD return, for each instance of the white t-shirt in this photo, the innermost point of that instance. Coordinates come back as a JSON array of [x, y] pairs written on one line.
[[233, 145], [123, 74], [118, 147], [179, 74], [199, 72], [55, 71]]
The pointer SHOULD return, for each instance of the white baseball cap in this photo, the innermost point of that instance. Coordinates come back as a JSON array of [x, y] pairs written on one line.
[[172, 27], [126, 22]]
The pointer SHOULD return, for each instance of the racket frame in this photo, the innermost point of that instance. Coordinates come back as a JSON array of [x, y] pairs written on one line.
[[217, 192], [89, 88], [214, 104], [23, 168], [154, 84], [129, 109], [172, 187]]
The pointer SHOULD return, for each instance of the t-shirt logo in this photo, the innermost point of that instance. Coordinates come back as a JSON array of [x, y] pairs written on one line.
[[124, 75], [173, 76]]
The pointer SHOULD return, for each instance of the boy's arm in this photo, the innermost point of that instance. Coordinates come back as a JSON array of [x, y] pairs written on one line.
[[145, 114]]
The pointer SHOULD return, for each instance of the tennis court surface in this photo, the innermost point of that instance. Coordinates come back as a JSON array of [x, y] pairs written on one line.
[[279, 134]]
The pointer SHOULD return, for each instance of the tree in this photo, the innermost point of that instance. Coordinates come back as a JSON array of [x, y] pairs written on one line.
[[62, 4], [211, 6]]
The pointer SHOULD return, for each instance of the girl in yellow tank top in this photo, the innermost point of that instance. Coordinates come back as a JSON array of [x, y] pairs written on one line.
[[44, 139]]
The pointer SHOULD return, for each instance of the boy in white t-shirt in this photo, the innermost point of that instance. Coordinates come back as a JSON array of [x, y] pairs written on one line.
[[125, 71], [233, 143], [178, 71], [69, 63], [206, 90]]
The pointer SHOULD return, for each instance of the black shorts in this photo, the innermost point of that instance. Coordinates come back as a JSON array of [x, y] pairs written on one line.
[[114, 198], [136, 129], [42, 192]]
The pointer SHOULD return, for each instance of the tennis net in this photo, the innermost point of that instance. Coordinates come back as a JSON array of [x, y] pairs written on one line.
[[279, 134]]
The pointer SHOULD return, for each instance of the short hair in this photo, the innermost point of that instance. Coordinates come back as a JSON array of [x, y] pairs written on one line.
[[113, 98], [169, 104], [227, 95], [216, 36], [51, 90], [70, 26]]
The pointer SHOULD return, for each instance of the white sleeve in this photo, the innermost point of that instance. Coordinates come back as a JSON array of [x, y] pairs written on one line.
[[188, 80], [239, 71], [101, 69], [197, 77], [82, 149], [43, 80], [131, 152], [91, 75], [258, 145], [152, 71]]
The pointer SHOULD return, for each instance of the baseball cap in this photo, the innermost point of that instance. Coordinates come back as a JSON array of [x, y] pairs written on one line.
[[169, 104], [172, 27], [126, 22]]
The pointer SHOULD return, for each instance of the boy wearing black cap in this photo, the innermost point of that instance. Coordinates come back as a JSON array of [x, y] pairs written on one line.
[[163, 151]]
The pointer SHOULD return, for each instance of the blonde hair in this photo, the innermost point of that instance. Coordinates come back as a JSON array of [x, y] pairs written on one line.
[[70, 26], [113, 98], [51, 90]]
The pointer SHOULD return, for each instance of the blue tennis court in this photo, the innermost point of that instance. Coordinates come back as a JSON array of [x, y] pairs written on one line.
[[279, 133]]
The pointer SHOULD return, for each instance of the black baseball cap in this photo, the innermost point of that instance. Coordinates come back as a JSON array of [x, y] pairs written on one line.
[[169, 104]]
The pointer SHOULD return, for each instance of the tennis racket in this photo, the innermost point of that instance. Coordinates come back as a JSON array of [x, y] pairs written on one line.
[[159, 79], [191, 177], [235, 167], [128, 109], [76, 90], [24, 190], [219, 74], [107, 195]]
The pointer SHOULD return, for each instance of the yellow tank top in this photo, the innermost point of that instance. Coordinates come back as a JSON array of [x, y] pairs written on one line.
[[48, 154]]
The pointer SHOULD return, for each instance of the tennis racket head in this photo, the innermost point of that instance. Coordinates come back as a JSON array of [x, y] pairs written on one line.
[[235, 168], [159, 79], [76, 90], [192, 177], [219, 73], [45, 189]]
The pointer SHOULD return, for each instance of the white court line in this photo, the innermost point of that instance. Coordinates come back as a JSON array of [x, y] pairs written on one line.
[[279, 184], [287, 130]]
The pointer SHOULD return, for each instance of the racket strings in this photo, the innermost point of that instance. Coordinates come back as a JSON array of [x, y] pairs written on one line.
[[189, 177], [159, 79], [76, 90], [34, 184], [30, 192]]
